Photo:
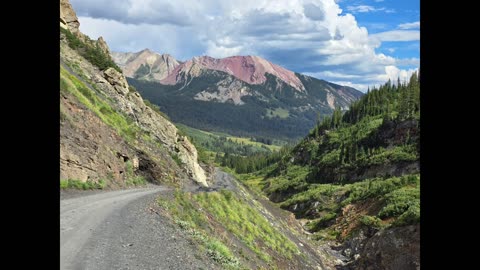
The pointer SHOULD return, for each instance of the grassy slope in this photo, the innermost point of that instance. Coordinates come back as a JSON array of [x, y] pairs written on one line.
[[229, 228], [122, 124]]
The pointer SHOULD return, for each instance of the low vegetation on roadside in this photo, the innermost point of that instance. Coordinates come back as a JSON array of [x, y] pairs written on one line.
[[77, 184], [228, 228]]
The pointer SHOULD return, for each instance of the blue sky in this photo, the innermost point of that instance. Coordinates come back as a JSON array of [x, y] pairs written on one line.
[[359, 43], [389, 15]]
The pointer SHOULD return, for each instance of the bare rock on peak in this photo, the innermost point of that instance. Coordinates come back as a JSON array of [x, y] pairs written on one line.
[[103, 45], [145, 64], [68, 16], [250, 69]]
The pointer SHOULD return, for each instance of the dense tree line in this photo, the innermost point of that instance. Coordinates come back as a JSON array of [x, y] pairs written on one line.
[[394, 101]]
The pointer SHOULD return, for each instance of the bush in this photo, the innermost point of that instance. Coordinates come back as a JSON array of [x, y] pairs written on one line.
[[370, 221], [63, 184], [411, 216], [399, 201], [77, 184], [176, 158], [322, 222], [132, 89], [91, 52], [136, 181], [157, 110]]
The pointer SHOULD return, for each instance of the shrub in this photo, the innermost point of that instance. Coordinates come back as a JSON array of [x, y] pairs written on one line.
[[136, 181], [411, 216], [63, 184], [322, 222], [132, 89], [370, 221], [91, 52], [399, 201], [176, 158], [77, 184], [156, 109]]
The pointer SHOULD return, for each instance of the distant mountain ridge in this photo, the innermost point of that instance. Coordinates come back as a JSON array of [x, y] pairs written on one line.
[[250, 69], [268, 99], [145, 64]]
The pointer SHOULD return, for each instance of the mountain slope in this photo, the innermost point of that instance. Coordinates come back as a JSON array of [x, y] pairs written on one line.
[[249, 69], [108, 136], [145, 64], [245, 96], [354, 179]]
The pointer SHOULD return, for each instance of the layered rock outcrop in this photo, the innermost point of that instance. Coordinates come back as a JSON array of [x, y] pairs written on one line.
[[68, 17], [91, 149]]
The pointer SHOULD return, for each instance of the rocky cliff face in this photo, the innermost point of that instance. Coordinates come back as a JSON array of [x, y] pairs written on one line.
[[92, 145], [146, 64], [390, 249], [68, 18]]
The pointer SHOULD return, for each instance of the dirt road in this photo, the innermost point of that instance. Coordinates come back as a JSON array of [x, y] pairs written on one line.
[[116, 230]]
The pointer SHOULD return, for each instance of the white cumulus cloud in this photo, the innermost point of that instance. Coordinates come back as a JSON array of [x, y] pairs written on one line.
[[312, 37], [412, 25], [397, 35], [367, 8]]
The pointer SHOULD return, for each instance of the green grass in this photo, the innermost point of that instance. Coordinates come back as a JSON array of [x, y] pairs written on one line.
[[226, 209], [136, 181], [187, 216], [278, 112], [176, 158], [77, 184], [292, 179], [121, 123], [245, 223], [222, 142], [248, 141]]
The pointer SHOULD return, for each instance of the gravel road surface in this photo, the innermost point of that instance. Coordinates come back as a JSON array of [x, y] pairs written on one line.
[[119, 230]]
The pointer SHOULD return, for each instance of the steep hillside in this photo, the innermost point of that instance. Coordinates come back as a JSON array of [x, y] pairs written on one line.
[[242, 95], [108, 136], [354, 179]]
